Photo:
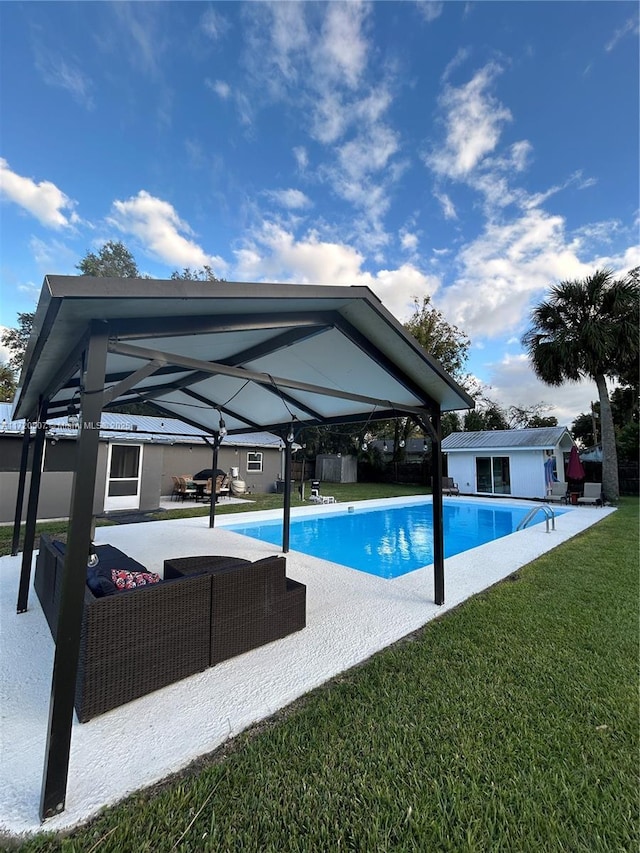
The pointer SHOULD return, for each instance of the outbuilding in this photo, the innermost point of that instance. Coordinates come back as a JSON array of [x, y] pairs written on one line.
[[516, 462]]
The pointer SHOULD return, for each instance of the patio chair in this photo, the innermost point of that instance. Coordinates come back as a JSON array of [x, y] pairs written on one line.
[[592, 494], [558, 493], [176, 494], [223, 488], [449, 487], [186, 488]]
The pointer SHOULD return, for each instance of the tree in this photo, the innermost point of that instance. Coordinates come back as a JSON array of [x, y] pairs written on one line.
[[450, 423], [113, 260], [7, 383], [205, 273], [494, 418], [527, 417], [582, 430], [443, 341], [588, 328], [16, 340]]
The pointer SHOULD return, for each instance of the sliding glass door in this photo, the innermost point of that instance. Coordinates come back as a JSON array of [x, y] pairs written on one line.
[[493, 475]]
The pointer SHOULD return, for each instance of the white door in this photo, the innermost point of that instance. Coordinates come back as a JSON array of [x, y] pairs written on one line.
[[124, 473]]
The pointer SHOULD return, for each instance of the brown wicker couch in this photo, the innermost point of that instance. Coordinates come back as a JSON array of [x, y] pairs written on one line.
[[134, 642], [251, 603], [139, 640]]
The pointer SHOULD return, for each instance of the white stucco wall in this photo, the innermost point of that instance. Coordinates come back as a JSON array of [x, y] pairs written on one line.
[[526, 470]]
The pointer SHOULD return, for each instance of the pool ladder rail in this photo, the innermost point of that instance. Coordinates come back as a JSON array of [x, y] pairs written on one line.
[[548, 514]]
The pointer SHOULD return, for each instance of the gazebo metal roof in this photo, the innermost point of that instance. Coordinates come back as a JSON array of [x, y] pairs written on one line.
[[261, 354], [223, 357]]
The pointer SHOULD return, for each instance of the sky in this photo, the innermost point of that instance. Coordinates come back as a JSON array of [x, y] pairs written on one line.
[[473, 152]]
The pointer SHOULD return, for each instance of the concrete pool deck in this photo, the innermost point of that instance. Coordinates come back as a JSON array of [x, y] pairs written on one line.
[[350, 616]]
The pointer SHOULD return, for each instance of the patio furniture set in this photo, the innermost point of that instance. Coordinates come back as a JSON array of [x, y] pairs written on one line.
[[186, 487], [146, 632], [592, 495]]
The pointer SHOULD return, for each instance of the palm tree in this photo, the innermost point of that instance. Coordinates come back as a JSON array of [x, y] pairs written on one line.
[[588, 328]]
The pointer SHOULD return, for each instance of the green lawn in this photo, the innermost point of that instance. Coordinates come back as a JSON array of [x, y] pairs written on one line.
[[509, 724]]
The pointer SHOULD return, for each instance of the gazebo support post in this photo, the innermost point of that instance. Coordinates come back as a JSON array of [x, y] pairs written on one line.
[[286, 512], [65, 665], [32, 510], [438, 535], [214, 467], [22, 479]]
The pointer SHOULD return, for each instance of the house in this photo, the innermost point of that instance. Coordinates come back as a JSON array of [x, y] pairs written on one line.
[[136, 460], [507, 462]]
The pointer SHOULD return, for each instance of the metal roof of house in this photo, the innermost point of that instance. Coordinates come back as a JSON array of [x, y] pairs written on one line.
[[263, 355], [539, 438], [124, 427]]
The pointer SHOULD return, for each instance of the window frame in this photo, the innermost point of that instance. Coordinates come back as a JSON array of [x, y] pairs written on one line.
[[257, 460]]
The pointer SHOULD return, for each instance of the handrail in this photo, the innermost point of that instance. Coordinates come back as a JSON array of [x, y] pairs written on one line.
[[548, 514]]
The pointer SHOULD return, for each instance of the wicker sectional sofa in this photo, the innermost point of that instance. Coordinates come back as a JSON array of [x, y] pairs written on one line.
[[139, 640], [251, 603]]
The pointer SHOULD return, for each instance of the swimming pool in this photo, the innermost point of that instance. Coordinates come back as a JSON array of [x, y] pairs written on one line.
[[391, 541]]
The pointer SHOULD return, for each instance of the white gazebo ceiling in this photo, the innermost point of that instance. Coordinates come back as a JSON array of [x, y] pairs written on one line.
[[260, 354]]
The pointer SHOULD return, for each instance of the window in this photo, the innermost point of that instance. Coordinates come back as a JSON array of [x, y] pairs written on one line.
[[493, 475], [254, 462]]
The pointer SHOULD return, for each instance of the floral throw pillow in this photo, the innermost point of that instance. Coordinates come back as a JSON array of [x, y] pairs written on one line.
[[130, 580]]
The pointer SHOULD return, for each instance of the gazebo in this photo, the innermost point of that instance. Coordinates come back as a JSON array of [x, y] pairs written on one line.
[[227, 358]]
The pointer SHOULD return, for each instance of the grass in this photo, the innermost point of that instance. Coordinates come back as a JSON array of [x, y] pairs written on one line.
[[509, 724]]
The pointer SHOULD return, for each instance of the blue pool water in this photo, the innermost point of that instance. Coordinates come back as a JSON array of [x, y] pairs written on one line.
[[391, 541]]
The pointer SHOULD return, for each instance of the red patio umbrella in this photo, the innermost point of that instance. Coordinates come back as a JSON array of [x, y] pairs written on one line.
[[575, 471]]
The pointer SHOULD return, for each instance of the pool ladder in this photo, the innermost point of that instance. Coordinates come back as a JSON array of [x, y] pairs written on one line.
[[548, 514]]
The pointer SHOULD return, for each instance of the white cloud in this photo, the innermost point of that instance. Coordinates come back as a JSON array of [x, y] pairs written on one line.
[[140, 24], [513, 382], [368, 152], [222, 89], [631, 25], [430, 9], [158, 227], [43, 200], [274, 254], [462, 54], [53, 256], [448, 208], [408, 241], [302, 158], [213, 24], [291, 199], [509, 265], [62, 74], [330, 118], [343, 48], [473, 120]]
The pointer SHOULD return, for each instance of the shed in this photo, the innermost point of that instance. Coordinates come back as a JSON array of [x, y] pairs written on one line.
[[336, 468], [506, 461]]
